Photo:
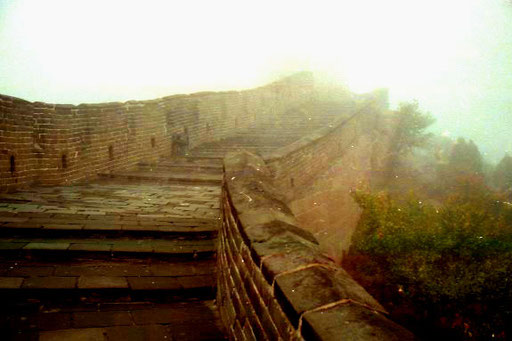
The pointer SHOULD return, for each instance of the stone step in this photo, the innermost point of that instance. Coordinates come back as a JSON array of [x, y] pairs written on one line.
[[191, 170], [136, 232], [203, 164], [115, 258], [265, 141], [119, 274], [234, 148], [37, 224], [212, 155], [166, 177], [138, 321], [182, 168], [130, 218], [190, 156], [192, 248], [199, 166]]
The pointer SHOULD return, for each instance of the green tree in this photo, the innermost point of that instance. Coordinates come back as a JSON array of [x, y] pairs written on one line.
[[409, 133], [502, 176], [463, 169], [410, 129], [466, 158]]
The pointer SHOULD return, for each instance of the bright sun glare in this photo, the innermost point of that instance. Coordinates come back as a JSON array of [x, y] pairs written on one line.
[[453, 56], [129, 49]]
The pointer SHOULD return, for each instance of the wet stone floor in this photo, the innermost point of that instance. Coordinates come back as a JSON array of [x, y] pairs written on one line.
[[126, 257]]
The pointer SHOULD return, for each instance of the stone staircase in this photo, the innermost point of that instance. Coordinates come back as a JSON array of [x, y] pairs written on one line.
[[128, 257]]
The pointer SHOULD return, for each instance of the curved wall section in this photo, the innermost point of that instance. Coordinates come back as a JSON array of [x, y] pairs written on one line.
[[273, 281], [52, 144], [297, 165]]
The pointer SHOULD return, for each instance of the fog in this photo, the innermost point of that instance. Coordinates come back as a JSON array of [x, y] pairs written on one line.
[[454, 57]]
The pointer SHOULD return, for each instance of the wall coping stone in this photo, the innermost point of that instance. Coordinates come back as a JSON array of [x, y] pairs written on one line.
[[306, 284]]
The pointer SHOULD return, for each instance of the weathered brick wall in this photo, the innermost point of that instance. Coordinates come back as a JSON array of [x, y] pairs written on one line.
[[59, 144], [273, 281], [17, 161], [297, 165]]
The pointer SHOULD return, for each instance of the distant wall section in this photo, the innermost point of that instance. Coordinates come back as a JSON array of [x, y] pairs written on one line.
[[296, 166]]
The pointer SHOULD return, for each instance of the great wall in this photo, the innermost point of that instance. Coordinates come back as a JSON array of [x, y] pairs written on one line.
[[171, 219]]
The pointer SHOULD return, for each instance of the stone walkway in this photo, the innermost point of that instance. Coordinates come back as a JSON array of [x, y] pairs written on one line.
[[264, 138], [130, 256], [188, 320]]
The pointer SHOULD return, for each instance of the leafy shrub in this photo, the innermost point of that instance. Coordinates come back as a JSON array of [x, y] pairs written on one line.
[[438, 267]]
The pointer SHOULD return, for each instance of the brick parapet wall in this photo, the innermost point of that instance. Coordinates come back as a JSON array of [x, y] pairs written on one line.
[[59, 144], [273, 281], [297, 165], [50, 144]]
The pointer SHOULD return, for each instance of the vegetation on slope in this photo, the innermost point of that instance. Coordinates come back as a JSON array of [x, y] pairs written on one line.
[[447, 266], [434, 244]]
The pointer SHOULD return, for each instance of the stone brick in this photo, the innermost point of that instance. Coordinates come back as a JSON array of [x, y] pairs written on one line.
[[253, 322], [96, 247], [103, 268], [139, 333], [101, 319], [193, 313], [154, 283], [26, 271], [12, 245], [278, 263], [264, 232], [194, 282], [206, 330], [237, 331], [238, 305], [47, 246], [49, 283], [10, 282], [314, 287], [280, 319], [48, 226], [229, 310], [248, 333], [53, 321], [269, 325], [102, 282], [73, 334], [132, 247], [351, 322], [173, 269], [99, 225]]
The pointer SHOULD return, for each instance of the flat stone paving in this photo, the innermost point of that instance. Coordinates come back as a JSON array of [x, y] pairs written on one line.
[[112, 242], [111, 245], [128, 321], [164, 176], [131, 273], [95, 200]]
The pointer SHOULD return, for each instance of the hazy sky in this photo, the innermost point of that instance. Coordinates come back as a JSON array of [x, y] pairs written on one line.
[[454, 56]]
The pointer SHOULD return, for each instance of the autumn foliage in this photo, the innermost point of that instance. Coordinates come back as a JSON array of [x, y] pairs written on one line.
[[442, 269]]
